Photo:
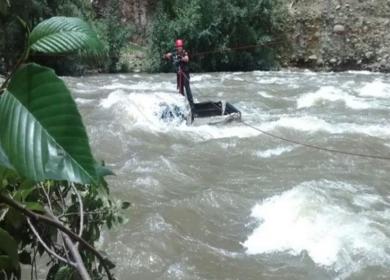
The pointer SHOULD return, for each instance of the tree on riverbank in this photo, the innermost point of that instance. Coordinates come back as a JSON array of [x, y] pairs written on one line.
[[113, 33], [12, 37], [217, 32], [53, 196]]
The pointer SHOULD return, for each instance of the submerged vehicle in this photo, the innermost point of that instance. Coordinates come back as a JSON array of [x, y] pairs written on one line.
[[208, 112], [220, 112]]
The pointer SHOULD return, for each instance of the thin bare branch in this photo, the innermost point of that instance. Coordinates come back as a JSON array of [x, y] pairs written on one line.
[[63, 206], [50, 251], [4, 212], [17, 206], [81, 210], [85, 213], [73, 247], [46, 194], [59, 236]]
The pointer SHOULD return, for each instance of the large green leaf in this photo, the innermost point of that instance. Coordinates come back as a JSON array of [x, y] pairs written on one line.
[[4, 5], [9, 246], [65, 35], [6, 169], [4, 162], [41, 129], [5, 261]]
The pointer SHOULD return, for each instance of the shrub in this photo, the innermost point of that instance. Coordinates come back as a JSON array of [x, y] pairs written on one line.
[[53, 197], [220, 35]]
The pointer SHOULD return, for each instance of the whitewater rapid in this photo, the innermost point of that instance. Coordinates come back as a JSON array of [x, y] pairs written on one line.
[[228, 202]]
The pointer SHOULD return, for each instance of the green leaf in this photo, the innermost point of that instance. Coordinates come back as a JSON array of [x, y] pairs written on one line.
[[64, 273], [5, 173], [5, 262], [52, 271], [59, 35], [6, 169], [21, 194], [42, 131], [15, 219], [4, 7], [9, 246], [34, 206], [4, 162]]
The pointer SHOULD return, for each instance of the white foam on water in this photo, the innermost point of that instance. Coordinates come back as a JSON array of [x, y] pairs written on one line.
[[84, 101], [362, 72], [272, 80], [342, 227], [207, 132], [80, 84], [309, 72], [200, 77], [226, 76], [146, 86], [314, 124], [332, 94], [227, 146], [274, 152], [238, 79], [114, 98], [143, 110], [264, 94], [377, 88], [205, 84], [77, 90], [146, 181]]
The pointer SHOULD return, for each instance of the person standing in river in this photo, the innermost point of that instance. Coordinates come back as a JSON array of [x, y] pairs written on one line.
[[180, 59]]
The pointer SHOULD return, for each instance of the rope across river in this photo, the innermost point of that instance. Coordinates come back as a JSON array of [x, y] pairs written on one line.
[[315, 146]]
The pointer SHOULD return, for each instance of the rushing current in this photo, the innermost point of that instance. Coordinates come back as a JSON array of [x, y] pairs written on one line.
[[228, 202]]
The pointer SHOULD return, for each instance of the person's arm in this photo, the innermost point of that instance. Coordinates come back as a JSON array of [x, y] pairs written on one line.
[[185, 58], [167, 56]]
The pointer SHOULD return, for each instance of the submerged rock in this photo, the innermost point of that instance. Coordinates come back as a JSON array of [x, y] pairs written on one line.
[[339, 29]]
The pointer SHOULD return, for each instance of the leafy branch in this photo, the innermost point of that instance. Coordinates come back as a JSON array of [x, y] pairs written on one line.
[[43, 138], [49, 219]]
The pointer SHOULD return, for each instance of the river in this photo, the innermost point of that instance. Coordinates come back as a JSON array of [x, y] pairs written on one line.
[[228, 202]]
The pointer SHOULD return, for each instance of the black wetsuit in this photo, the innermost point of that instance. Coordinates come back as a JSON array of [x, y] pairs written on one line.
[[183, 75]]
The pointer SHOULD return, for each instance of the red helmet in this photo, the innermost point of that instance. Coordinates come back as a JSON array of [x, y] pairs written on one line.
[[179, 43]]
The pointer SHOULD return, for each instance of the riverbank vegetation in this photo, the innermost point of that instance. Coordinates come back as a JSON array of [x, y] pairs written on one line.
[[215, 34], [106, 22], [221, 35]]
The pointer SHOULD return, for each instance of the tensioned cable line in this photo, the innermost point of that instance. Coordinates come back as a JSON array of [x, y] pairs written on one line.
[[237, 48], [315, 146]]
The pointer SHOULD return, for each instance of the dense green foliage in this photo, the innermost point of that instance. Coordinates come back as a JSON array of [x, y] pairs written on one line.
[[115, 34], [53, 197], [220, 35], [13, 35]]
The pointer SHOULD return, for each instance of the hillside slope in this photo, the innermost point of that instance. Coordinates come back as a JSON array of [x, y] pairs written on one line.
[[340, 34]]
